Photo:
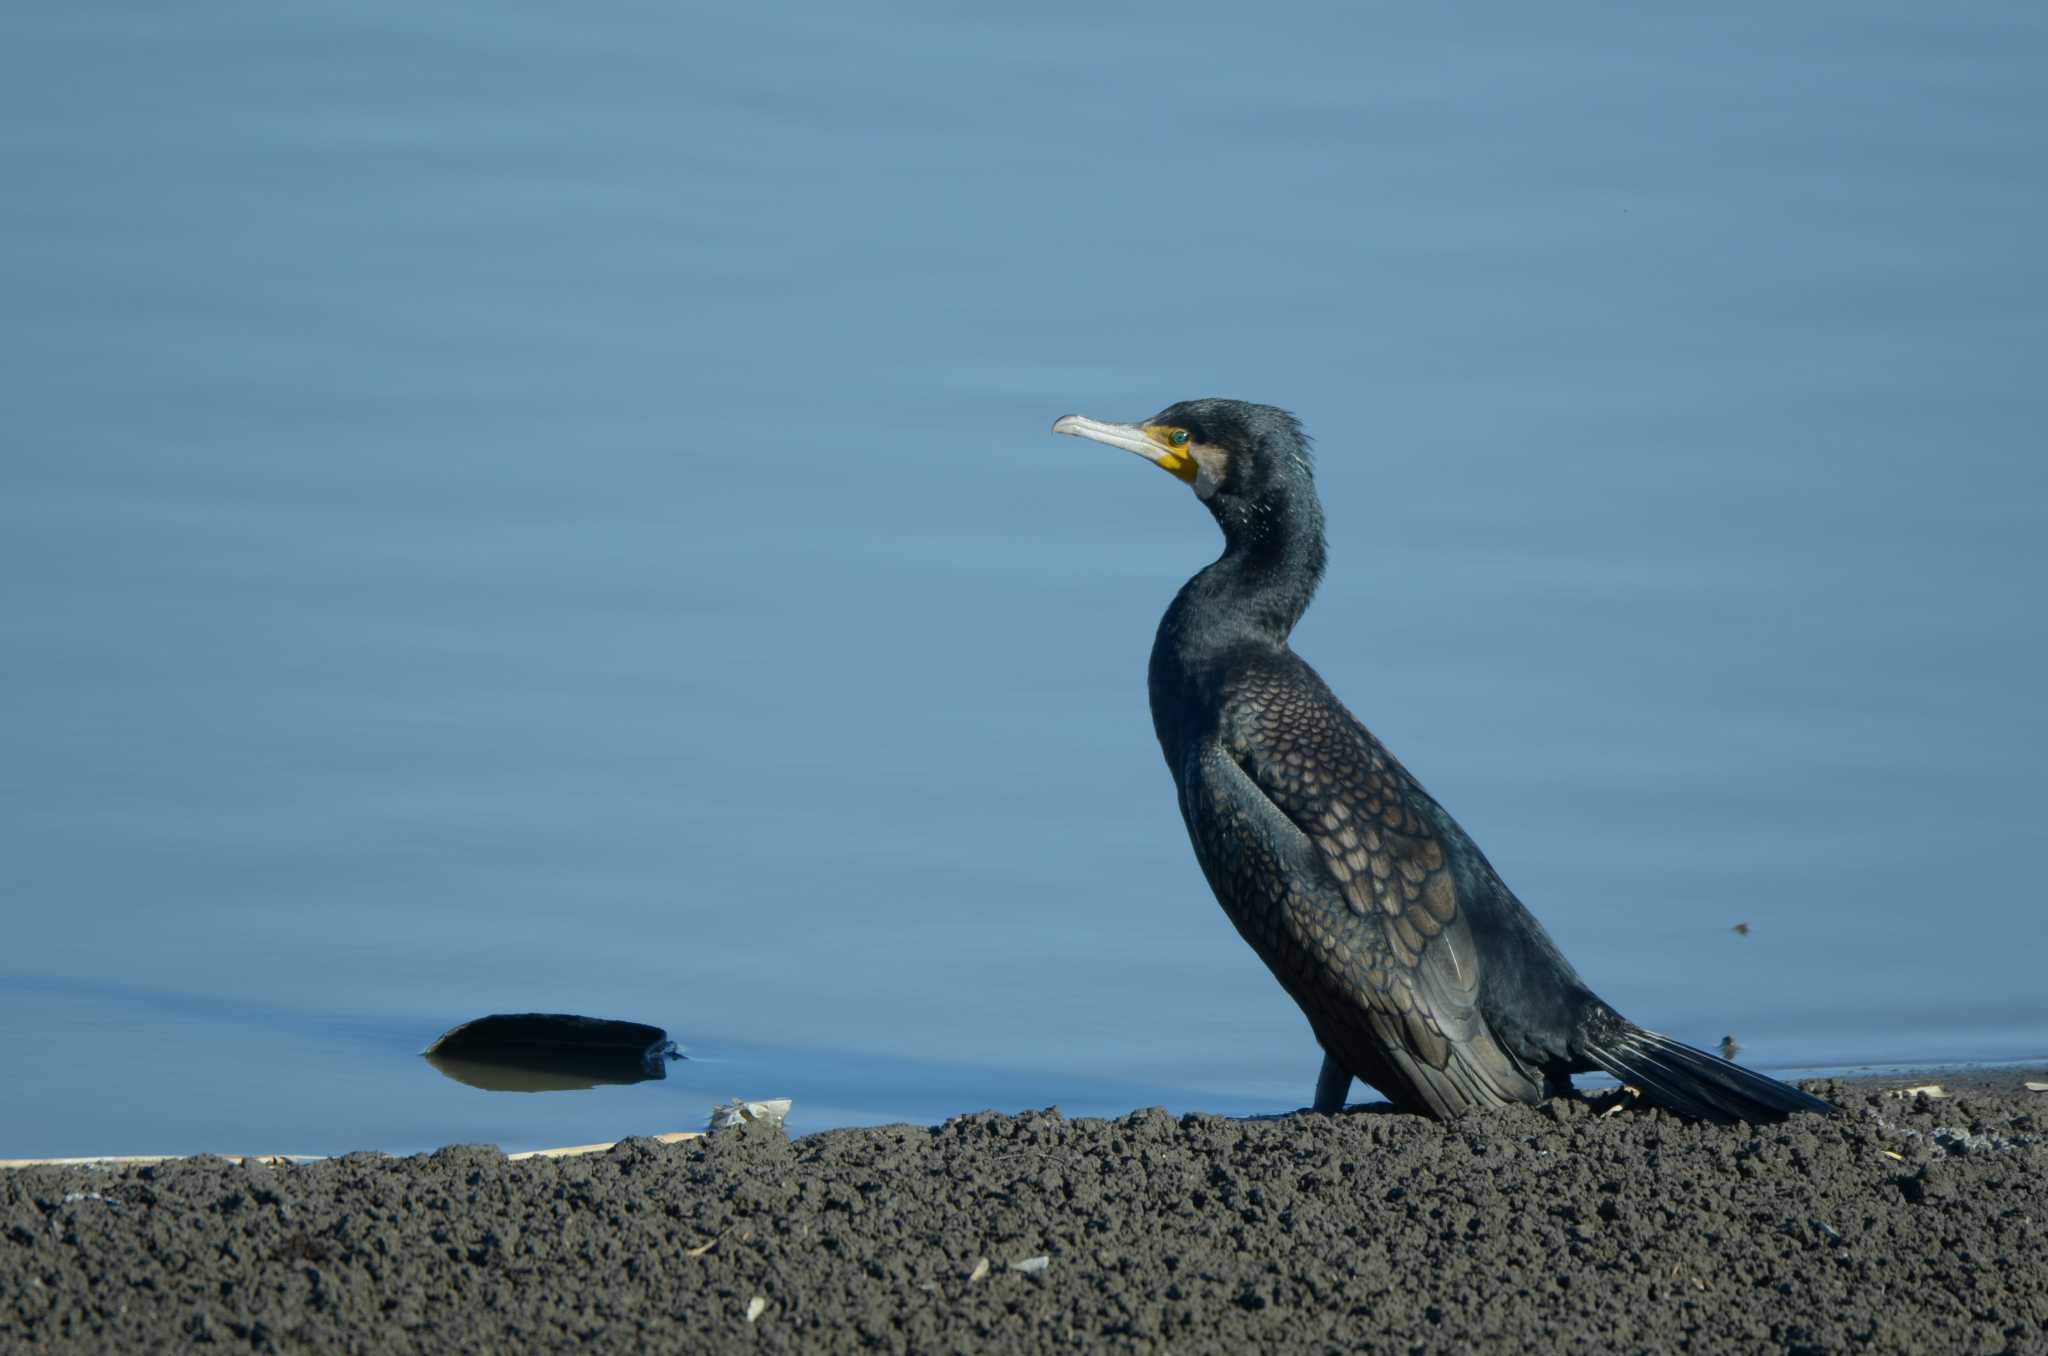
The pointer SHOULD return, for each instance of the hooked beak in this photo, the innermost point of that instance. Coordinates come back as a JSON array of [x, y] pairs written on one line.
[[1131, 438]]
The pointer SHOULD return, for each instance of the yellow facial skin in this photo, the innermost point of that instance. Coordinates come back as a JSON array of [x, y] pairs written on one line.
[[1175, 457]]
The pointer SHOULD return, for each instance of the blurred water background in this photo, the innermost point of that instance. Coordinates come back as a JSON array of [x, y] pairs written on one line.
[[510, 506]]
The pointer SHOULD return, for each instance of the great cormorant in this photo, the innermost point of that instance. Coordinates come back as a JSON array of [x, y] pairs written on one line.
[[1418, 969]]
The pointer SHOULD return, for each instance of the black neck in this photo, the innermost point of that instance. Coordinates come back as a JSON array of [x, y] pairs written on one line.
[[1253, 594]]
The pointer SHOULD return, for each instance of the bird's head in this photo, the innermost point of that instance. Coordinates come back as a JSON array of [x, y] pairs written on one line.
[[1243, 460]]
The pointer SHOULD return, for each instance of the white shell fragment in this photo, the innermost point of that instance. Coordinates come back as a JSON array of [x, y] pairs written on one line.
[[980, 1270], [1031, 1264], [726, 1115], [755, 1308]]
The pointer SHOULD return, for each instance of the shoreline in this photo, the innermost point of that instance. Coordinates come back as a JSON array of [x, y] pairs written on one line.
[[1959, 1079], [1908, 1223]]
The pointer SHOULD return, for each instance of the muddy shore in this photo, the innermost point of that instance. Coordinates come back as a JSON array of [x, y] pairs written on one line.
[[1908, 1224]]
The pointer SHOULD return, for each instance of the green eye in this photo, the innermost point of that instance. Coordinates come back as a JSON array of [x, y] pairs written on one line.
[[1177, 438]]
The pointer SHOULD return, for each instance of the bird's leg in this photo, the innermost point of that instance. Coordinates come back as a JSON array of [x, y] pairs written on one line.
[[1333, 1085]]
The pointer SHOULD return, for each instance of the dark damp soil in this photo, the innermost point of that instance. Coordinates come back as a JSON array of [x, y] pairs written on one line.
[[1905, 1225]]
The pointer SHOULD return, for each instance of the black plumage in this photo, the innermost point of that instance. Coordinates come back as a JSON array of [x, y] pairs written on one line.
[[1418, 969]]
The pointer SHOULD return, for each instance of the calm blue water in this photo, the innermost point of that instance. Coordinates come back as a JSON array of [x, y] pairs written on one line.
[[509, 507]]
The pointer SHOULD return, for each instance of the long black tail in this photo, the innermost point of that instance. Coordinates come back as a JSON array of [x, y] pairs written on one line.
[[1692, 1082]]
